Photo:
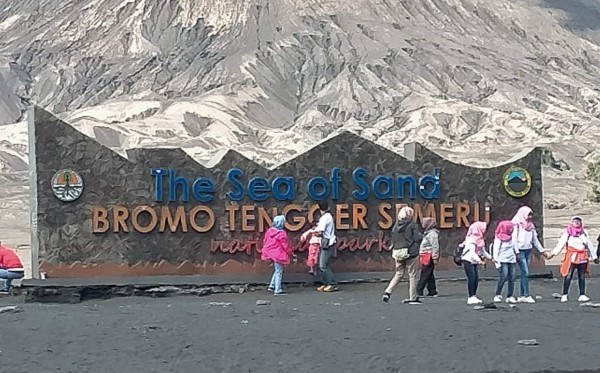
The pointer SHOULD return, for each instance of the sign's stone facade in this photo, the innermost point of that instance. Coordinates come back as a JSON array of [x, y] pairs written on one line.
[[110, 220]]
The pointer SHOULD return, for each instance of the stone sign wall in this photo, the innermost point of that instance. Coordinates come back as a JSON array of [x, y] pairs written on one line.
[[158, 212]]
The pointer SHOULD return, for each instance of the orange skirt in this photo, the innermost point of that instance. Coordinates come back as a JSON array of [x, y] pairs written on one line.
[[573, 256]]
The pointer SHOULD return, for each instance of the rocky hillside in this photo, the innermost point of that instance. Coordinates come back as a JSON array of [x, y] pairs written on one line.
[[476, 80]]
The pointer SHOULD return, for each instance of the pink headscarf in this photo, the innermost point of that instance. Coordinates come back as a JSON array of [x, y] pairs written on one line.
[[573, 230], [504, 230], [476, 232], [521, 218]]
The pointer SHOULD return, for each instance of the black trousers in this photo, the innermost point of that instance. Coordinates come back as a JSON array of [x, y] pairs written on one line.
[[471, 270], [427, 280], [580, 278]]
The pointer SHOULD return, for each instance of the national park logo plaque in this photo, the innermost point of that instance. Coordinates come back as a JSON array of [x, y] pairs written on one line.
[[67, 185], [517, 182]]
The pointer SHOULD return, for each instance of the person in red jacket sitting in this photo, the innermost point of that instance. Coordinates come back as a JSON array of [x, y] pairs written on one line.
[[10, 268]]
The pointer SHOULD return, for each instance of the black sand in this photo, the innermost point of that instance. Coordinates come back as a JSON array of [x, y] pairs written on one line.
[[304, 331]]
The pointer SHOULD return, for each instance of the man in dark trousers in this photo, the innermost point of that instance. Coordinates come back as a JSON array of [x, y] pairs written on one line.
[[326, 228]]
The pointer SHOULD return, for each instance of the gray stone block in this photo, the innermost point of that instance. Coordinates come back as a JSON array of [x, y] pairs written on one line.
[[69, 248]]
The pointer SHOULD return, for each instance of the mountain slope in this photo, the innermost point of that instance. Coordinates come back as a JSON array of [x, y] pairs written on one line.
[[228, 73], [476, 80]]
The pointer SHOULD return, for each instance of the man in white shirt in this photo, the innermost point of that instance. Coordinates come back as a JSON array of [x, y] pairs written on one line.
[[326, 228]]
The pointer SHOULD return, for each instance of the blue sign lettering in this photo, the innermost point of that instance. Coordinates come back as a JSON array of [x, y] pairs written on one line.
[[233, 175], [401, 181], [185, 188], [258, 189], [388, 185], [283, 188], [358, 176], [287, 182], [335, 183], [203, 190], [434, 193], [158, 174], [314, 185]]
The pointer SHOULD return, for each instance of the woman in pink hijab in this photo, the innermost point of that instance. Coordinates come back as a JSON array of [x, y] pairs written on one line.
[[580, 250], [505, 257], [473, 255], [525, 238]]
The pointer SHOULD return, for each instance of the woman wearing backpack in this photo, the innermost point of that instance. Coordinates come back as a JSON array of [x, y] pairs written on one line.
[[406, 239], [580, 250], [526, 238], [472, 256]]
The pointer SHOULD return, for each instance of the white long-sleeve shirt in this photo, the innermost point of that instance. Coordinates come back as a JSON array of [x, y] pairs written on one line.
[[505, 251], [470, 253], [579, 243], [327, 227], [526, 240]]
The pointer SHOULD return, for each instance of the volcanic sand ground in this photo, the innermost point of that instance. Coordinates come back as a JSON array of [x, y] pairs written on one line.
[[304, 331]]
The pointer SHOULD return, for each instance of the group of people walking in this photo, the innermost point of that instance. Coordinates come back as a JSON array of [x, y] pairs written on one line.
[[416, 252], [513, 243]]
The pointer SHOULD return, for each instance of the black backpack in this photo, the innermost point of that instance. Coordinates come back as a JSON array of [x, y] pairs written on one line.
[[458, 252]]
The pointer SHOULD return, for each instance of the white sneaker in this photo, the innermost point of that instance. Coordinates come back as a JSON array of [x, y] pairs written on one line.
[[526, 300], [511, 300], [584, 298], [474, 300], [564, 299], [498, 299]]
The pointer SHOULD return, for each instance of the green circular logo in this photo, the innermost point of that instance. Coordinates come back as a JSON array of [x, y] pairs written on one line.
[[517, 181]]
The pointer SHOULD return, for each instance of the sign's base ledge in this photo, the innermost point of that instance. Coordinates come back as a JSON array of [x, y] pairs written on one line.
[[217, 280]]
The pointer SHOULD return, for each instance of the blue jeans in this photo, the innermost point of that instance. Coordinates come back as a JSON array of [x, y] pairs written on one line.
[[8, 277], [325, 266], [276, 278], [507, 273], [524, 260]]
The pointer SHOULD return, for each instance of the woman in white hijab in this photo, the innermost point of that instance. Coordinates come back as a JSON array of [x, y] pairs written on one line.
[[406, 239]]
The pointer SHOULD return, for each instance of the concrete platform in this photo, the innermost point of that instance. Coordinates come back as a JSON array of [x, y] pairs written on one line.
[[74, 290], [293, 278]]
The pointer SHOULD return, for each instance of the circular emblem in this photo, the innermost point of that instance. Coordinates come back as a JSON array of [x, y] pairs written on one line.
[[67, 185], [517, 181]]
